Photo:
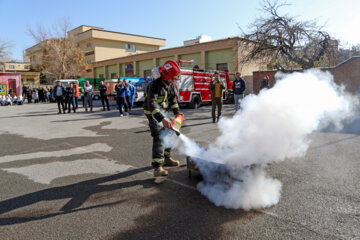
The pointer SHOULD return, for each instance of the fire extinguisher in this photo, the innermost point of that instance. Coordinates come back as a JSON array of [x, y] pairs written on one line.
[[176, 123]]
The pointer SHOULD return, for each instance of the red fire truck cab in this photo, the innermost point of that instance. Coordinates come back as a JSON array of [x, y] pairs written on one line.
[[193, 88]]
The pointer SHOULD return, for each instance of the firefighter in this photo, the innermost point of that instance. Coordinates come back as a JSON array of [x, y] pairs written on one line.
[[161, 95]]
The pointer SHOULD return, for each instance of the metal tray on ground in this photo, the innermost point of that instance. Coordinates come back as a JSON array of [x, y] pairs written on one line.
[[213, 172]]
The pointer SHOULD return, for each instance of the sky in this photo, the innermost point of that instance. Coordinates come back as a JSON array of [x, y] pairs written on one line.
[[176, 21]]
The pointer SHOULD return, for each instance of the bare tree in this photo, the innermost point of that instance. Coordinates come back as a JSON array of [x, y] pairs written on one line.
[[61, 58], [286, 41], [5, 47]]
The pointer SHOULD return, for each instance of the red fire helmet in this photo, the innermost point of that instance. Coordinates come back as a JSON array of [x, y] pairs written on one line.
[[170, 69]]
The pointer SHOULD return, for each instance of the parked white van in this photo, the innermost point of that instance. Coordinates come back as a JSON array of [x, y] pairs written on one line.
[[65, 82]]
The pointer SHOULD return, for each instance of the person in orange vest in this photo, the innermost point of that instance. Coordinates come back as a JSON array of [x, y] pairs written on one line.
[[77, 94]]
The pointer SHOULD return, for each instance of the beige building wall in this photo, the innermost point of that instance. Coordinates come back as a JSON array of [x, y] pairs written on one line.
[[30, 78], [110, 49], [14, 66], [34, 55], [98, 44], [208, 56]]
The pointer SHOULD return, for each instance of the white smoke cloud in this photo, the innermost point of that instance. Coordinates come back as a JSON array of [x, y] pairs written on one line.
[[271, 127]]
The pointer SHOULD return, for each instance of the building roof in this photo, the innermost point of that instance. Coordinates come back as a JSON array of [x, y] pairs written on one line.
[[102, 30]]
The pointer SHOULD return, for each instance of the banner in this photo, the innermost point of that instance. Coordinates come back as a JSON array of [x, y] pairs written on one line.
[[3, 89]]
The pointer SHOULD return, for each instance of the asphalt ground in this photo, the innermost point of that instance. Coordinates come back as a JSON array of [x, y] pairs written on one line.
[[88, 176]]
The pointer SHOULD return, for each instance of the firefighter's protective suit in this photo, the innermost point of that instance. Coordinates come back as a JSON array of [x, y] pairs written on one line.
[[160, 97]]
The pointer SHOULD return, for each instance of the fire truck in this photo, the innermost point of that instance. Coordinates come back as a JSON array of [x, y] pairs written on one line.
[[193, 87]]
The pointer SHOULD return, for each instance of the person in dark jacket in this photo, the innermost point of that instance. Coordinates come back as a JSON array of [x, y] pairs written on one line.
[[120, 89], [59, 95], [70, 96], [132, 95], [127, 94], [24, 91], [41, 95], [103, 95], [161, 95], [29, 94], [216, 87], [238, 87]]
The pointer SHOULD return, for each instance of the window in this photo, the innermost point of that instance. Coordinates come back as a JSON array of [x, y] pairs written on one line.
[[147, 73], [26, 66], [113, 75], [221, 66], [33, 59], [130, 47], [89, 70], [89, 53], [11, 66], [88, 61], [129, 68], [101, 75], [88, 44], [30, 80]]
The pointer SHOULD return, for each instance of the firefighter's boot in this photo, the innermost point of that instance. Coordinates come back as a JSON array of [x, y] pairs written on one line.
[[170, 162], [160, 172]]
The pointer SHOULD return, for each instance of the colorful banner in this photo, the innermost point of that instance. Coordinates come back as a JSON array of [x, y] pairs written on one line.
[[3, 89]]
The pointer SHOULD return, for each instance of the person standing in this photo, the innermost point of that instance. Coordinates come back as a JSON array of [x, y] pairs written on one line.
[[24, 91], [70, 93], [238, 87], [88, 93], [77, 94], [58, 95], [127, 94], [46, 98], [82, 93], [41, 94], [216, 87], [161, 95], [120, 89], [36, 95], [132, 90], [145, 85], [103, 95], [29, 94]]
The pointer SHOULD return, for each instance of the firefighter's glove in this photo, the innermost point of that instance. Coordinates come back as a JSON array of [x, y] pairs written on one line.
[[166, 123]]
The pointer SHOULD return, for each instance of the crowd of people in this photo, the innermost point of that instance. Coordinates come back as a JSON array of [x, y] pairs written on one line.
[[67, 98], [7, 100], [37, 95]]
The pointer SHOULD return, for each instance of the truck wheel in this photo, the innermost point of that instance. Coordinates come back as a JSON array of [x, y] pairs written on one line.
[[96, 97], [195, 102]]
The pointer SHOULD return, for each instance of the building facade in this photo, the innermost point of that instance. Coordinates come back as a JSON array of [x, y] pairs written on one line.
[[213, 55], [98, 44], [28, 77]]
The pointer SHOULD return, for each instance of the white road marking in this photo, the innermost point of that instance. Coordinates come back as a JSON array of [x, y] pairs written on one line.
[[96, 147], [45, 173]]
